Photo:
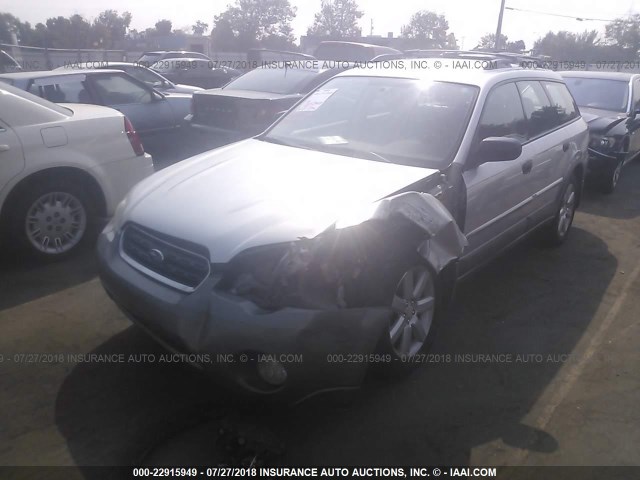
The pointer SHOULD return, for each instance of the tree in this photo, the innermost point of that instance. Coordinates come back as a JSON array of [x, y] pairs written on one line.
[[59, 32], [111, 27], [624, 33], [199, 28], [488, 42], [577, 47], [9, 25], [337, 18], [452, 42], [429, 28], [163, 27], [249, 23]]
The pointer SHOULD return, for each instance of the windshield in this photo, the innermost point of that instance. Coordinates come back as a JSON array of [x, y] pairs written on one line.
[[410, 122], [145, 75], [599, 93], [273, 80], [149, 59]]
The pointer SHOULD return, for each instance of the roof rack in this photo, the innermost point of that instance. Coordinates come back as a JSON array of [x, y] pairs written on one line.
[[497, 59]]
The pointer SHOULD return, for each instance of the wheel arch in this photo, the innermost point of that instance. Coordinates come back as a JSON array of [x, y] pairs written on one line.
[[579, 173], [83, 178]]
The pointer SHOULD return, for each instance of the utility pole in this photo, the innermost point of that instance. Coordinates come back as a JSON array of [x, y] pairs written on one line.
[[497, 45]]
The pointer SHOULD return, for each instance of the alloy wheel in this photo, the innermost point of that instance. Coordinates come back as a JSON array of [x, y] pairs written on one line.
[[567, 210], [56, 222], [413, 310]]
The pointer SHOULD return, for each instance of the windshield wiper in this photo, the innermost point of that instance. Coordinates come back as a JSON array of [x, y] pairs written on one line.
[[379, 157], [280, 141], [340, 149]]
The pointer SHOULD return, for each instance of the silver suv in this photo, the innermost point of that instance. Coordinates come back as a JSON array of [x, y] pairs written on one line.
[[291, 262]]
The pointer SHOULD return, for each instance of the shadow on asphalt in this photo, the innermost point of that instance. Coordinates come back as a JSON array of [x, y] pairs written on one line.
[[23, 278], [532, 302]]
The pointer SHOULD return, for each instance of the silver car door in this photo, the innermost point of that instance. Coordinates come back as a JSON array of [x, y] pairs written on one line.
[[562, 144], [495, 194], [148, 111], [545, 149]]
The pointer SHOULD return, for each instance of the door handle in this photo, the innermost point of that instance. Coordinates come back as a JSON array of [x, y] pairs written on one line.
[[527, 166], [565, 147], [4, 148]]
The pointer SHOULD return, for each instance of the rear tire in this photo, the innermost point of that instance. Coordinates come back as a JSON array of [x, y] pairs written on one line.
[[557, 231], [50, 219]]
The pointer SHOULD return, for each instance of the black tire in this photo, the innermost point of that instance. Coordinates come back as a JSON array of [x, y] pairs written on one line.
[[554, 234], [77, 218], [609, 181]]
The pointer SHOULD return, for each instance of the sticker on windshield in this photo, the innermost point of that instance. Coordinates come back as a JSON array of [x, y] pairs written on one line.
[[316, 100], [333, 140]]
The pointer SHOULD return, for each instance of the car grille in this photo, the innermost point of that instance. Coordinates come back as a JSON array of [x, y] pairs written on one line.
[[163, 260]]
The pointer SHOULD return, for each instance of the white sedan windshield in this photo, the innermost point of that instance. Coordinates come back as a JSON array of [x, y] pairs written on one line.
[[398, 120]]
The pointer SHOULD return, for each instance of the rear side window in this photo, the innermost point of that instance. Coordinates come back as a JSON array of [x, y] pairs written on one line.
[[503, 115], [562, 101], [541, 115], [120, 90], [67, 90]]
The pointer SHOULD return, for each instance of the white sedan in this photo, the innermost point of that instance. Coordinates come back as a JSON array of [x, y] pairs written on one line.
[[62, 169]]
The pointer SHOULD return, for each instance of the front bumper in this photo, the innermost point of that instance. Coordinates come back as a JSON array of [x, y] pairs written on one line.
[[321, 350]]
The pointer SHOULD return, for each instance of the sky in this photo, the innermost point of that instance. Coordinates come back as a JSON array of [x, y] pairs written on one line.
[[468, 19]]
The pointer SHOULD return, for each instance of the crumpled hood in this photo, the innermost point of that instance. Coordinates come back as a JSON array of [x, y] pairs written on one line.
[[255, 193], [601, 121]]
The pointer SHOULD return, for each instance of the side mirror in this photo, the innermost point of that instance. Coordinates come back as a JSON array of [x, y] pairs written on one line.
[[496, 149]]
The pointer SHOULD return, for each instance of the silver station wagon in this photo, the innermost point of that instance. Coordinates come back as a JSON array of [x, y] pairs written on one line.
[[332, 242]]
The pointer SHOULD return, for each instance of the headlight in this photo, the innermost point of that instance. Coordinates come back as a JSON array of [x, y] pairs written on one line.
[[310, 273], [116, 221], [599, 142]]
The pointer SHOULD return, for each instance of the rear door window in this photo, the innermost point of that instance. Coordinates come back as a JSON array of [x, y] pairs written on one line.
[[561, 100], [541, 115], [62, 89]]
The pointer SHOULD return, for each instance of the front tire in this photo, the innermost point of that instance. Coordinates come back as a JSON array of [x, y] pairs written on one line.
[[611, 178], [412, 324], [51, 219]]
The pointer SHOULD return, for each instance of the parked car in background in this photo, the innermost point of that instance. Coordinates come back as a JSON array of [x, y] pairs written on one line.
[[57, 176], [342, 229], [258, 57], [249, 104], [351, 51], [193, 71], [140, 72], [149, 58], [152, 114], [610, 103], [8, 64]]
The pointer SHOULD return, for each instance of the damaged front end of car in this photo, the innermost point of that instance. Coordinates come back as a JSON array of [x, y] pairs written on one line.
[[341, 268]]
